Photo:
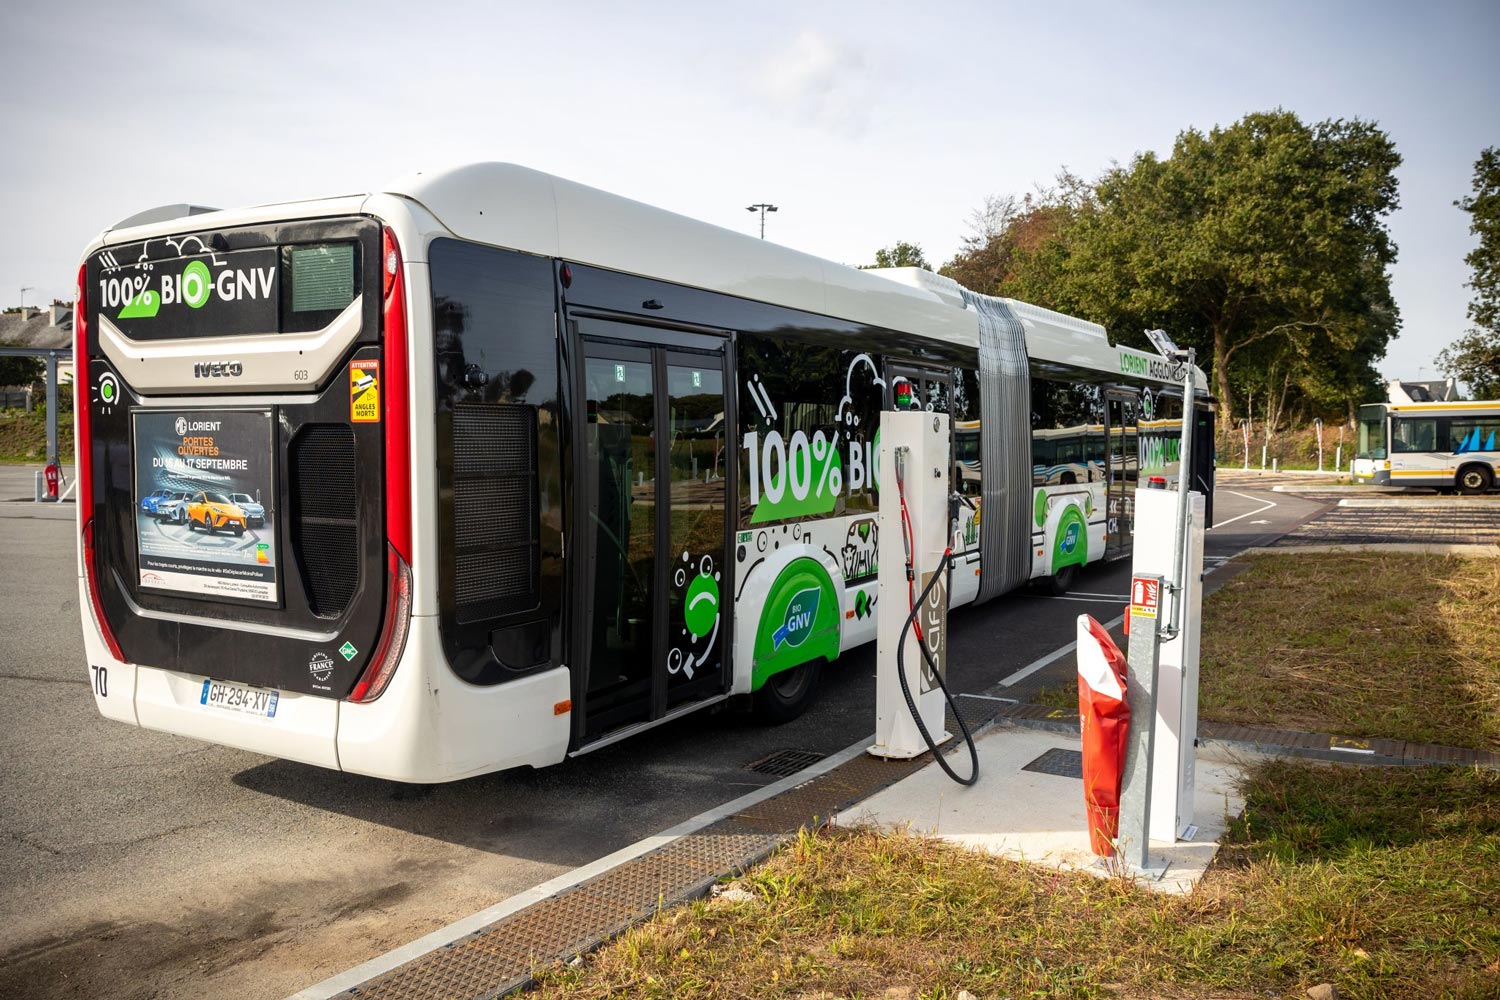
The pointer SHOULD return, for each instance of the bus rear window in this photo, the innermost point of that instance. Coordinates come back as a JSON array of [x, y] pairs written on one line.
[[322, 277]]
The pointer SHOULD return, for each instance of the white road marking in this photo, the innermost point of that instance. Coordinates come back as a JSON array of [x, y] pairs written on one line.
[[1056, 654], [1086, 600], [1268, 506]]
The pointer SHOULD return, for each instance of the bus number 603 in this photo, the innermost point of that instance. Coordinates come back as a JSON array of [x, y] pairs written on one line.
[[101, 680]]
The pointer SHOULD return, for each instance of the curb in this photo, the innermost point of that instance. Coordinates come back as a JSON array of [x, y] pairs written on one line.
[[1467, 549], [1425, 503], [1289, 743], [499, 950]]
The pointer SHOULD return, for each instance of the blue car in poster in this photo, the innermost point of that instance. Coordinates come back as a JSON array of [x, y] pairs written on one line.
[[255, 513], [152, 500]]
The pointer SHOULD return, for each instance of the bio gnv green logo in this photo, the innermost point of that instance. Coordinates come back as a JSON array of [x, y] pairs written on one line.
[[139, 297], [801, 613]]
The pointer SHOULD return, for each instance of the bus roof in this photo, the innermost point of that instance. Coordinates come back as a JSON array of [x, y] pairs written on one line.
[[512, 206], [507, 205]]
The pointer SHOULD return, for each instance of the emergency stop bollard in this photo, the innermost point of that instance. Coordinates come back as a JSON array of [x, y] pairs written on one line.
[[1104, 714]]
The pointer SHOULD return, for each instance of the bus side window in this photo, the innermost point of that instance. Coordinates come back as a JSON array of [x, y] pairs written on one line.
[[1410, 434]]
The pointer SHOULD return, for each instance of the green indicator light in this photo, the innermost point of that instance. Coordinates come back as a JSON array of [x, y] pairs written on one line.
[[108, 391]]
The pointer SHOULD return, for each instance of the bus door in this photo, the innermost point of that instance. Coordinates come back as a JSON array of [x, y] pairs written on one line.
[[1123, 473], [655, 460]]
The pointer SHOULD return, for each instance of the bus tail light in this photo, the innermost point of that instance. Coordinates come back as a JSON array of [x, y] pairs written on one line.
[[83, 449], [393, 631], [397, 407], [398, 531]]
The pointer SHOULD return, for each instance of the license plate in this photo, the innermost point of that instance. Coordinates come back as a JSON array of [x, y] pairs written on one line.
[[230, 696]]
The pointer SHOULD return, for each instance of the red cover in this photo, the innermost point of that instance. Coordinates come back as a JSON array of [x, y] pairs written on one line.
[[1105, 716]]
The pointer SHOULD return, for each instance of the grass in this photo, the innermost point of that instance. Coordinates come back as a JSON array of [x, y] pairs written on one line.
[[1358, 644], [1383, 882], [23, 435], [1355, 644]]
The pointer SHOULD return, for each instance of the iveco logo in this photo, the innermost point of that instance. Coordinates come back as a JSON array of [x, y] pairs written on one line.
[[218, 369]]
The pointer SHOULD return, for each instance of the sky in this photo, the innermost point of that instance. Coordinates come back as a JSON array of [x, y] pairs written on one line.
[[865, 123]]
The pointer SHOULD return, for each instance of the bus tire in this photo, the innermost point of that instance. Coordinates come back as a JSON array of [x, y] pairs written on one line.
[[1473, 480], [1062, 581], [786, 695]]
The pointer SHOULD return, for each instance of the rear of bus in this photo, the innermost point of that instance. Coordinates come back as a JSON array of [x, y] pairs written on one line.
[[267, 357]]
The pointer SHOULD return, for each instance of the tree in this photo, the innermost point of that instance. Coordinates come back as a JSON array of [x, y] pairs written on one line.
[[1475, 357], [20, 371], [1008, 234], [902, 254], [1268, 229]]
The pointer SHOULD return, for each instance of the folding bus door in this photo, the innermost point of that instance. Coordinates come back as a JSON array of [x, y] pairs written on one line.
[[654, 471]]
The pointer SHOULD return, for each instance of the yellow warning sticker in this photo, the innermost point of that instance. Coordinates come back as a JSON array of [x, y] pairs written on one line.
[[364, 392]]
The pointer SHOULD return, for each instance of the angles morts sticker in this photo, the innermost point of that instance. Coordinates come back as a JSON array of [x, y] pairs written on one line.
[[364, 392]]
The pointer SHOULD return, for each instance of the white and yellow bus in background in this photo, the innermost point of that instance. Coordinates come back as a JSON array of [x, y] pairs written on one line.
[[536, 467], [1448, 445]]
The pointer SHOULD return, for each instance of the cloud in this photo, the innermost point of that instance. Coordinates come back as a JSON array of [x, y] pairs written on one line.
[[818, 80]]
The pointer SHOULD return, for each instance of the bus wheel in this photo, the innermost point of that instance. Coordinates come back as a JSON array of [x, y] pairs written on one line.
[[1473, 480], [1062, 581], [786, 695]]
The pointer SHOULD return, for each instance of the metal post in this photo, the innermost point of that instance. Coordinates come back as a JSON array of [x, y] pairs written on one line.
[[1144, 657], [1318, 423], [1184, 480], [1245, 427], [52, 409]]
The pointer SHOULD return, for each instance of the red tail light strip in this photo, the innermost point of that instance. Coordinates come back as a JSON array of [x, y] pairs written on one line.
[[83, 451], [398, 531], [392, 632], [397, 407]]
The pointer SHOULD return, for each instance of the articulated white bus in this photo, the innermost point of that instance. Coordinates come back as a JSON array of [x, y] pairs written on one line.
[[535, 467], [1449, 445]]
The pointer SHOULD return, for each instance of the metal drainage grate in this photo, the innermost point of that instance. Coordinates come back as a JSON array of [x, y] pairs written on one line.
[[785, 763], [1063, 763]]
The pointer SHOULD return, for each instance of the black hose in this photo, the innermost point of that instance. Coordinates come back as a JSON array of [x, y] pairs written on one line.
[[945, 563]]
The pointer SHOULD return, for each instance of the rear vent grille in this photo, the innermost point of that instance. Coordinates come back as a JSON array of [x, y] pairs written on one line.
[[497, 550], [324, 507]]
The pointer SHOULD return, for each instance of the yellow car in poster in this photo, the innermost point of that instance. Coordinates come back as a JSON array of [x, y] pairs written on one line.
[[214, 511]]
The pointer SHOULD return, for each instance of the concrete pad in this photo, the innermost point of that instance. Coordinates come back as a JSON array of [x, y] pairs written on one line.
[[1039, 818]]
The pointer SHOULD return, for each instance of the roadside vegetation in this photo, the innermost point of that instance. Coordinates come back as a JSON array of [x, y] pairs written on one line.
[[23, 435], [1383, 882], [1357, 644]]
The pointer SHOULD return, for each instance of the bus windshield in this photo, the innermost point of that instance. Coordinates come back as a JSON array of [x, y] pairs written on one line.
[[1371, 432]]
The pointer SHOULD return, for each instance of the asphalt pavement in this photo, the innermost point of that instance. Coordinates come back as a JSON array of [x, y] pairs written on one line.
[[138, 864]]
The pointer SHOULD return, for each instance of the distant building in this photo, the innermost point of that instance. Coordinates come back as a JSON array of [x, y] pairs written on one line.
[[1431, 391], [41, 328]]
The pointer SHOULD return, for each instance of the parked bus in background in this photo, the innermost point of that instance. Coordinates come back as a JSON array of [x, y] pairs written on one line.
[[536, 467], [1448, 445]]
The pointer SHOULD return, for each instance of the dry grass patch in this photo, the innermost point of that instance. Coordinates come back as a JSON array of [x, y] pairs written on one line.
[[1358, 644], [1383, 881]]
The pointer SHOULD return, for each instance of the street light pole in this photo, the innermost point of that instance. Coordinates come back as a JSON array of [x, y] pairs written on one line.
[[762, 208]]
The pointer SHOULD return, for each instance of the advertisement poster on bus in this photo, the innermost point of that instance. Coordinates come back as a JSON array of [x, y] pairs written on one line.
[[203, 499]]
